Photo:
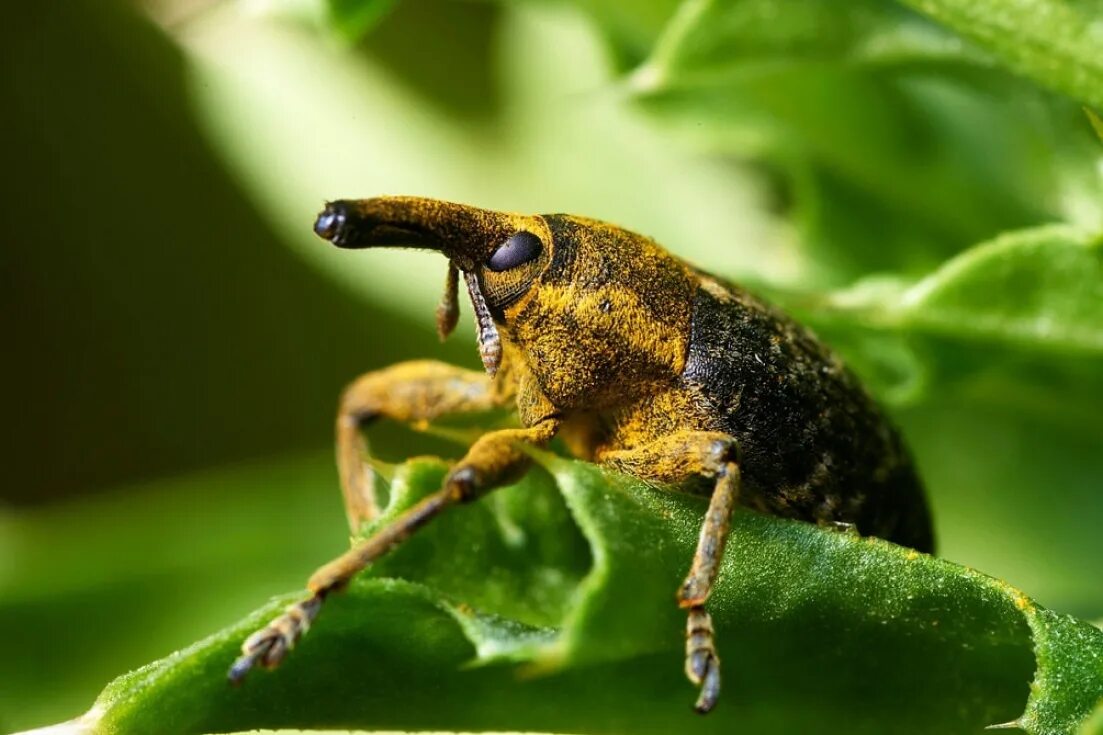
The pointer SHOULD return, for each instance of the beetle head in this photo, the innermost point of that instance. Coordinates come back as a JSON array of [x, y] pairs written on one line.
[[501, 255], [594, 310]]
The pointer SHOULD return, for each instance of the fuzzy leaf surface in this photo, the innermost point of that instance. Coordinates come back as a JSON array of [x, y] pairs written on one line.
[[561, 590]]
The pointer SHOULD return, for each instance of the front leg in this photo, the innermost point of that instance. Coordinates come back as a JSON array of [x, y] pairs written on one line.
[[410, 392], [671, 459], [492, 461]]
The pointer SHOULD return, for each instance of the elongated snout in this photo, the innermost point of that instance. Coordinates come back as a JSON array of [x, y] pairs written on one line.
[[466, 235], [366, 223]]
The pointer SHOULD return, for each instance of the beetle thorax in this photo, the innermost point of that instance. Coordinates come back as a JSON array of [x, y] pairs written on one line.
[[608, 318]]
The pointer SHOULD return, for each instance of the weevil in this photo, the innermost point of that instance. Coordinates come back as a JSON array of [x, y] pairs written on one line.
[[640, 362]]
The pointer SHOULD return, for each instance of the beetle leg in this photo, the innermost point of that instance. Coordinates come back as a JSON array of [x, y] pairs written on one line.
[[702, 660], [677, 457], [492, 461], [409, 392]]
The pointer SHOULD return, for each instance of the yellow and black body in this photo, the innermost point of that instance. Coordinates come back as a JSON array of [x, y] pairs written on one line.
[[639, 361]]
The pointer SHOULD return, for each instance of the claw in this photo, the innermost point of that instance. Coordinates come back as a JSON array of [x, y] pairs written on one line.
[[242, 666], [270, 644], [710, 686], [702, 663]]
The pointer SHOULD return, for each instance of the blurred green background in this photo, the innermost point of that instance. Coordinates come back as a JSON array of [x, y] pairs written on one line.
[[176, 338]]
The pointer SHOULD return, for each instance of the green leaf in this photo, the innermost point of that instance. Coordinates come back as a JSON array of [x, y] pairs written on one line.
[[704, 42], [893, 142], [1070, 667], [880, 173], [346, 21], [1054, 42], [1039, 289], [1094, 724], [351, 19], [993, 367], [371, 120], [1016, 321], [998, 323], [819, 630], [139, 553], [1096, 121], [1030, 298]]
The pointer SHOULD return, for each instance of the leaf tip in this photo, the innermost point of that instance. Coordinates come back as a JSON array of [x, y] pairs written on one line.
[[1095, 120], [348, 22], [648, 78]]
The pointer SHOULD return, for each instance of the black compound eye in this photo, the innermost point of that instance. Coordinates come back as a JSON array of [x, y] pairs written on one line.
[[524, 247]]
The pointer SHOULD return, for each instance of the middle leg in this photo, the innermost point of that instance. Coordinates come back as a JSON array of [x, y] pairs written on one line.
[[411, 392], [677, 457]]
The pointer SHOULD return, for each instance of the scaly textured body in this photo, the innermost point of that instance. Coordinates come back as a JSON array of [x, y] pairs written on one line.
[[638, 361], [815, 446]]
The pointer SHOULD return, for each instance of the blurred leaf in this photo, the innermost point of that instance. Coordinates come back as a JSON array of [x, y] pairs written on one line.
[[705, 41], [460, 79], [1013, 471], [134, 558], [1055, 42], [301, 124], [993, 364], [896, 143], [1096, 121], [1039, 289], [103, 106], [631, 29], [351, 19], [1094, 724], [1002, 322], [998, 321], [912, 643]]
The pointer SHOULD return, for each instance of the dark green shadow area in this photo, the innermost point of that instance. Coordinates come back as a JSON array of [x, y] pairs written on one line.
[[154, 323]]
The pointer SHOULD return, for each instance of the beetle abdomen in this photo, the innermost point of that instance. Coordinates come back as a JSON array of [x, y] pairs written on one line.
[[814, 445]]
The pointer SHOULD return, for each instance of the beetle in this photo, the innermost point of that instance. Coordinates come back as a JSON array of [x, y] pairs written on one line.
[[638, 361]]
